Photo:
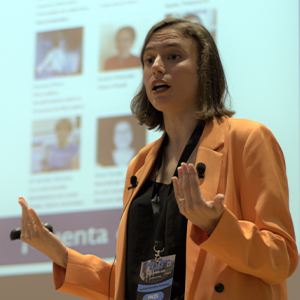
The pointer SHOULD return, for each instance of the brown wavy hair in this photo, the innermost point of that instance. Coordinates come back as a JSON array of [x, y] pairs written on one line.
[[212, 85]]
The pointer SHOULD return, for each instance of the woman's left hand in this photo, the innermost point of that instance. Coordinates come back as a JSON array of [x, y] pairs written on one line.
[[204, 214]]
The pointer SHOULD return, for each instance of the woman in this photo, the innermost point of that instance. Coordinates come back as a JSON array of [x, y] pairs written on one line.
[[231, 230], [124, 41], [64, 154], [122, 139]]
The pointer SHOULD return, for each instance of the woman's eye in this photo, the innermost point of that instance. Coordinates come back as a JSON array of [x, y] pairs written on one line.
[[148, 61], [174, 56]]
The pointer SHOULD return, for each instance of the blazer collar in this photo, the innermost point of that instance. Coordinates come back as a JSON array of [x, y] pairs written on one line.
[[213, 134], [143, 173]]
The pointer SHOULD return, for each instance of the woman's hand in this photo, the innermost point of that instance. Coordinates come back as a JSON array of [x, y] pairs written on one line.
[[204, 214], [36, 235]]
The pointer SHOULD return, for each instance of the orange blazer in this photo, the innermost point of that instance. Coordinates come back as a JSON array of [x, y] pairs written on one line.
[[252, 250]]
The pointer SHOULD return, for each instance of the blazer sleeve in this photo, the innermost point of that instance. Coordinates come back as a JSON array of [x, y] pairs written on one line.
[[261, 243], [86, 276]]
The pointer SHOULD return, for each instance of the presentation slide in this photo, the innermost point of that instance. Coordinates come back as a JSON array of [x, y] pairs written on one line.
[[69, 70]]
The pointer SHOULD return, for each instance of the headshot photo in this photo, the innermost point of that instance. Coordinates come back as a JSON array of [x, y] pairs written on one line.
[[119, 140], [55, 145], [205, 17], [121, 56], [58, 53]]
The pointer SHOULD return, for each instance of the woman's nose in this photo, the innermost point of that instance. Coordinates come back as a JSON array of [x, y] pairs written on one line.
[[158, 66]]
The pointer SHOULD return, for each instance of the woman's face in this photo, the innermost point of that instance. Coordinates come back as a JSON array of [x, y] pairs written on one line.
[[123, 135], [124, 41], [170, 71], [62, 134]]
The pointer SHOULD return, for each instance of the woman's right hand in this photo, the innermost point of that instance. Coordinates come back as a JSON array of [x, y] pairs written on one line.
[[36, 235]]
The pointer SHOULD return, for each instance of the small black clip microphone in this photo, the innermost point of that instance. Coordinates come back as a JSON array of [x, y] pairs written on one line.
[[133, 182], [15, 234], [201, 167]]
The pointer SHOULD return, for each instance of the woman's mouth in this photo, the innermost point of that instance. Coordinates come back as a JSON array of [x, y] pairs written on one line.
[[160, 88]]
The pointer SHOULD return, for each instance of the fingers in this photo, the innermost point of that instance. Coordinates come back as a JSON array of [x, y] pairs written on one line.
[[26, 221], [30, 222], [176, 187], [38, 225], [184, 188], [219, 203], [190, 202], [23, 204], [194, 184], [187, 190]]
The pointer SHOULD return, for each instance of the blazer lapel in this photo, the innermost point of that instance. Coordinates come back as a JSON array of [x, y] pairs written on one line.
[[211, 153], [143, 172], [144, 169]]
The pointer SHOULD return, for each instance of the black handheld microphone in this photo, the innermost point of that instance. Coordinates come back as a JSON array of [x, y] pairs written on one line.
[[201, 167], [133, 182], [16, 232]]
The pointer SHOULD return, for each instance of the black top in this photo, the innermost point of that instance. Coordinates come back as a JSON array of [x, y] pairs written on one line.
[[140, 238]]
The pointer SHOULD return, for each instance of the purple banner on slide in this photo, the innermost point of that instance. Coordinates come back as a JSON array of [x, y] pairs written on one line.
[[87, 232]]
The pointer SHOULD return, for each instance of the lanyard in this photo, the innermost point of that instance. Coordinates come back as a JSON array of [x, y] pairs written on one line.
[[159, 211]]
